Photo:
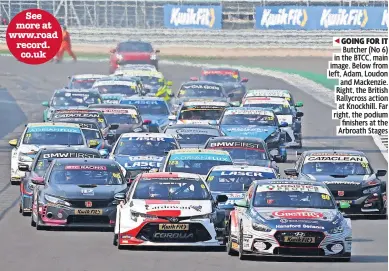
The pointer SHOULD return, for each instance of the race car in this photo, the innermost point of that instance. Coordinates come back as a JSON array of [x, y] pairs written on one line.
[[196, 161], [133, 52], [83, 81], [350, 177], [284, 113], [192, 135], [39, 166], [229, 78], [126, 116], [142, 152], [257, 123], [244, 150], [169, 209], [286, 217], [77, 192], [151, 108], [200, 91], [200, 112], [70, 99], [40, 135]]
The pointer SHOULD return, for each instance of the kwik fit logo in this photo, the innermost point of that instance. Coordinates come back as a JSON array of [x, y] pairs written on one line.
[[191, 16], [344, 17], [294, 16]]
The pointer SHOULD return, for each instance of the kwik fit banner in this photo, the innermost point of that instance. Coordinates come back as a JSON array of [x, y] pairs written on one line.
[[321, 18], [201, 17]]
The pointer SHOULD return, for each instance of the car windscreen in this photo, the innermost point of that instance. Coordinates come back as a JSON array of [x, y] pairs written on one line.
[[83, 83], [86, 175], [91, 133], [199, 90], [145, 146], [279, 109], [79, 116], [197, 164], [293, 196], [149, 107], [53, 136], [248, 119], [64, 99], [122, 118], [171, 189], [134, 47], [192, 135], [201, 112], [118, 89], [152, 81], [336, 168], [221, 77]]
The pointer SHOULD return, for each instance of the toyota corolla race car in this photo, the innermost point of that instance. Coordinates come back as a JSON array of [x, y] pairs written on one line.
[[169, 209], [244, 150], [196, 161], [192, 135], [289, 218], [151, 108], [83, 81], [284, 113], [39, 135], [229, 78], [70, 99], [142, 152], [199, 112], [39, 166], [349, 176], [257, 123]]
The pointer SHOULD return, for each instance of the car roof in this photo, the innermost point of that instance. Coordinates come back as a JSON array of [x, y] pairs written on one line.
[[202, 83], [45, 124], [194, 150], [86, 161], [173, 175], [220, 69], [68, 149], [236, 139], [78, 90], [249, 109], [289, 181], [242, 168], [138, 98], [113, 106], [191, 125], [87, 76], [149, 135], [205, 103], [350, 152]]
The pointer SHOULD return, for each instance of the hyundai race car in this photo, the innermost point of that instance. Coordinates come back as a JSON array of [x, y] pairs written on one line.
[[350, 177], [39, 166], [284, 113], [83, 81], [244, 150], [196, 161], [70, 99], [151, 108], [40, 135], [142, 152], [229, 78], [169, 209], [289, 218], [257, 123], [192, 135]]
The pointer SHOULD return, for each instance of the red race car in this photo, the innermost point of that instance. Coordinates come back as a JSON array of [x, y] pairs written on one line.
[[132, 52]]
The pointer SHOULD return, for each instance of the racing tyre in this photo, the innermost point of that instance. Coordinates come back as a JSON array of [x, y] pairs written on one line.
[[230, 251], [241, 254], [33, 224], [14, 182], [115, 240], [22, 210]]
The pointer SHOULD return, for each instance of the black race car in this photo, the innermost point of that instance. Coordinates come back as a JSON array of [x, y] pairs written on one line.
[[349, 176], [78, 192], [38, 168]]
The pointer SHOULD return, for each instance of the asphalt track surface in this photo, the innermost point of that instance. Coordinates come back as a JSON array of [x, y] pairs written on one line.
[[24, 248]]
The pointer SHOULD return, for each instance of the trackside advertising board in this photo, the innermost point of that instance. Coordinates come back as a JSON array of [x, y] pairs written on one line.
[[200, 17], [321, 18]]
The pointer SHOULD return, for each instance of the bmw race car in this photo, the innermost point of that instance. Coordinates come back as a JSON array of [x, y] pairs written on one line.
[[196, 161], [151, 108], [142, 152], [244, 150], [83, 81], [350, 177], [70, 99], [169, 209], [40, 135], [257, 123], [77, 192], [284, 113], [289, 218], [39, 166], [229, 78]]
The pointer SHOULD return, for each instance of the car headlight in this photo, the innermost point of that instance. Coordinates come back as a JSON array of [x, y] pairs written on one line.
[[135, 215], [260, 227], [336, 230], [153, 57], [119, 57], [371, 190], [55, 200], [24, 158]]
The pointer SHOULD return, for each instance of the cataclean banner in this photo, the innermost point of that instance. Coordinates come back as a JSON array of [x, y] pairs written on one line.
[[321, 18], [200, 17]]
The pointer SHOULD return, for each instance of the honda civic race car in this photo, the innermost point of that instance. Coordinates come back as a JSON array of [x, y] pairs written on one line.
[[199, 112], [196, 161], [257, 123], [151, 108], [244, 150], [229, 78], [70, 99], [284, 113], [39, 166], [169, 209], [289, 218], [83, 81], [192, 135], [40, 135], [77, 192], [142, 152], [349, 176]]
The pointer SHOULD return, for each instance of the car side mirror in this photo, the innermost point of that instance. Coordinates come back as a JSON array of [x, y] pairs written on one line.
[[93, 143], [113, 126], [381, 173], [146, 122], [283, 124], [120, 196], [299, 104], [13, 142], [241, 203], [244, 80], [169, 83], [38, 180], [231, 95], [172, 117], [112, 51], [221, 198], [343, 205], [194, 79], [45, 103], [299, 114], [24, 167], [291, 172], [157, 51]]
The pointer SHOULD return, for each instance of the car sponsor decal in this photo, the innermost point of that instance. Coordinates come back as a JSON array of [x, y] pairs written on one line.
[[143, 164], [54, 129], [149, 138], [85, 167], [268, 93], [70, 155], [114, 83], [299, 226], [197, 156], [241, 173], [87, 192], [257, 113], [293, 187], [199, 86], [193, 131], [336, 158], [237, 145], [145, 158], [297, 214], [221, 72], [118, 111]]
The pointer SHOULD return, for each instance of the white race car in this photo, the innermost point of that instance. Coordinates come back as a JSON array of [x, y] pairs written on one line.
[[168, 209], [39, 135]]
